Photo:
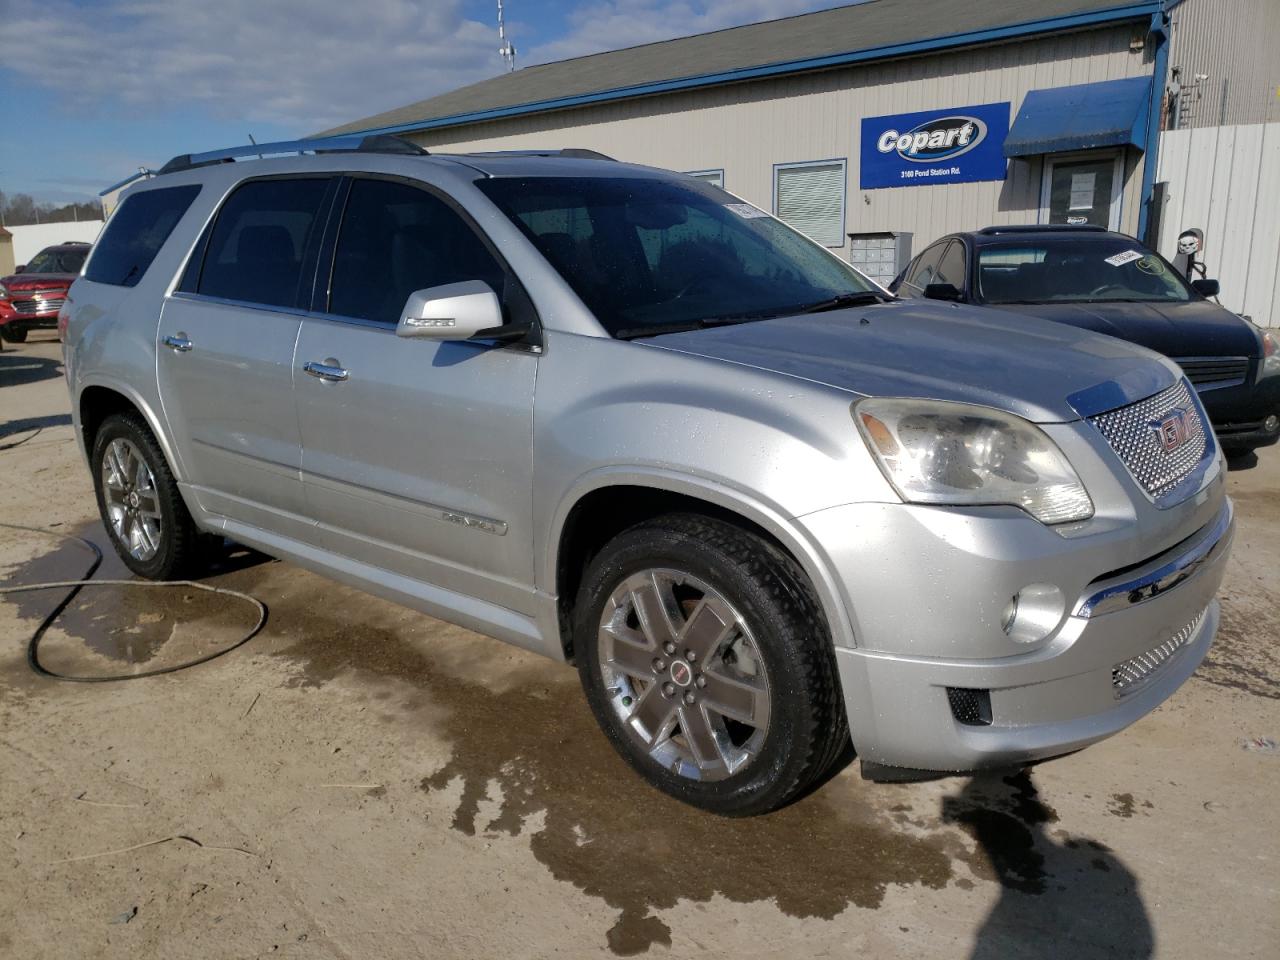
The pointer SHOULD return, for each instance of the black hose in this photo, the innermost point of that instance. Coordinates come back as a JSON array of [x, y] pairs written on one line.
[[75, 586]]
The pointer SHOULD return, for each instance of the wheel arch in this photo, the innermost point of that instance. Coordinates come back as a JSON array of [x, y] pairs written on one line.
[[605, 503], [98, 400]]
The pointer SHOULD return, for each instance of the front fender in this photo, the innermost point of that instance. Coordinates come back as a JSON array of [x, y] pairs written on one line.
[[762, 513], [762, 445]]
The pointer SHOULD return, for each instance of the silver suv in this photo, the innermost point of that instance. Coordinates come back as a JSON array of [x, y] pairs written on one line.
[[623, 419]]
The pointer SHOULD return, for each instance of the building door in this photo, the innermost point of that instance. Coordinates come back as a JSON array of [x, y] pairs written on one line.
[[1080, 189]]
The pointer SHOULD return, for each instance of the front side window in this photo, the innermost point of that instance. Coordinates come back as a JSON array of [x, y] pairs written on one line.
[[137, 231], [58, 260], [645, 254], [951, 266], [923, 270], [1077, 270], [396, 239], [259, 242]]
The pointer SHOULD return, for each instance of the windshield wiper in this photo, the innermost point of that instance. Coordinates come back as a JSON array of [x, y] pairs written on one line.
[[842, 300], [635, 333]]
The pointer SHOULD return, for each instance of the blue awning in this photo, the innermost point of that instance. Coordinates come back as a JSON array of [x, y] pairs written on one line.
[[1111, 113]]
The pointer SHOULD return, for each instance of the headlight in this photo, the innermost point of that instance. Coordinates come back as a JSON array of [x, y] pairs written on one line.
[[933, 451], [4, 292]]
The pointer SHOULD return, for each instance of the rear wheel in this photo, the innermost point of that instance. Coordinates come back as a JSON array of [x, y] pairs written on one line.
[[708, 664], [13, 334], [138, 499]]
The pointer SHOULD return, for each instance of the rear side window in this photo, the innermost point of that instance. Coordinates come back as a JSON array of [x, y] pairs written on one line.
[[260, 240], [396, 239], [136, 233]]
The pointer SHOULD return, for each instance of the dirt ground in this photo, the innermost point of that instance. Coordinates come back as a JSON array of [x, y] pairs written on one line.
[[360, 781]]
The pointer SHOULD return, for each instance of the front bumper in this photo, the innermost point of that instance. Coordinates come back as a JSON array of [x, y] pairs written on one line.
[[1234, 437], [1123, 646]]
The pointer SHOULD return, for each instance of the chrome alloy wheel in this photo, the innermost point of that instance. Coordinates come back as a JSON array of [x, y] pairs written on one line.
[[683, 673], [133, 506]]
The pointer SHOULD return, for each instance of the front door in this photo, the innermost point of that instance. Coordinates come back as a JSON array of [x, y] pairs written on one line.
[[225, 353], [416, 454], [1082, 190]]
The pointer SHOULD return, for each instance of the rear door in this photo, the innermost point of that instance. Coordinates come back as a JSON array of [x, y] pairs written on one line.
[[225, 350], [417, 459]]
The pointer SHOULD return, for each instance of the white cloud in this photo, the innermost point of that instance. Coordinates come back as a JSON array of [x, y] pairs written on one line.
[[310, 64], [301, 63], [611, 24]]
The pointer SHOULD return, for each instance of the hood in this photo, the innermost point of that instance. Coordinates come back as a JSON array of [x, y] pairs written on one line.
[[38, 281], [920, 348], [1196, 328]]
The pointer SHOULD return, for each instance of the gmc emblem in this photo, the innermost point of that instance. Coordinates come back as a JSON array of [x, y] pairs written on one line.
[[1174, 430]]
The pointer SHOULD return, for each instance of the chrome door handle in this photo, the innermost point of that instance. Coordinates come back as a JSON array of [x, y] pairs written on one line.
[[178, 343], [325, 371]]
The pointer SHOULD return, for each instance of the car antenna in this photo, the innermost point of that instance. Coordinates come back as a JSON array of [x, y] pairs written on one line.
[[255, 143]]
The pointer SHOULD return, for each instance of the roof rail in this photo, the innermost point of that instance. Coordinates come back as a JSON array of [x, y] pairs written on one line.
[[1043, 228], [356, 143], [571, 153]]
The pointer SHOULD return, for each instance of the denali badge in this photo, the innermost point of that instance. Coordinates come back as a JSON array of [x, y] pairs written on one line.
[[1174, 430]]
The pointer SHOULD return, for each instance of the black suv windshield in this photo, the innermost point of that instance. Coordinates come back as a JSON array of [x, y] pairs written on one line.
[[58, 260], [646, 255], [1076, 269]]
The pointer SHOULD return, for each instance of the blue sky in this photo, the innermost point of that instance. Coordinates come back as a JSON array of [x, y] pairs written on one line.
[[90, 91]]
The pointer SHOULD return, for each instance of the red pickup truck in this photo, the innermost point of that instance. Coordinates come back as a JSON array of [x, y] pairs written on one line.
[[31, 298]]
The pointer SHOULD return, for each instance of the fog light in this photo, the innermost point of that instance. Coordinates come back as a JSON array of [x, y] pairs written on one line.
[[1271, 423], [1032, 613]]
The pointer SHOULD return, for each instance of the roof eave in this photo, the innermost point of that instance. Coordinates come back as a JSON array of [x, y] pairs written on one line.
[[1131, 11]]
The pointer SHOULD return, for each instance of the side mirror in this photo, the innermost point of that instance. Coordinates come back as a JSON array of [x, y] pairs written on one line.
[[1206, 288], [453, 311], [20, 268], [942, 291]]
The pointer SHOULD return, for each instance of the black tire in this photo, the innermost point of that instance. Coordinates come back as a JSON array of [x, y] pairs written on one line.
[[13, 334], [178, 551], [807, 729]]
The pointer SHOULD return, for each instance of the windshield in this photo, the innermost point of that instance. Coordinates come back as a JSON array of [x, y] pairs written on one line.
[[57, 260], [646, 255], [1076, 269]]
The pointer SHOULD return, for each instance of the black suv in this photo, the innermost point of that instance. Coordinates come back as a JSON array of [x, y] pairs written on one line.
[[1108, 282]]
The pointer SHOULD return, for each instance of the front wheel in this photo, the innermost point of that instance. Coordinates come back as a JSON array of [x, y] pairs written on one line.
[[13, 334], [708, 664], [138, 499]]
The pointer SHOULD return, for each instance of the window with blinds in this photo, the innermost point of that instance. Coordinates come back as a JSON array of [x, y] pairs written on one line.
[[713, 177], [810, 197]]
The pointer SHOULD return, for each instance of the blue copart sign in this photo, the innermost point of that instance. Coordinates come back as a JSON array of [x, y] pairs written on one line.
[[956, 145]]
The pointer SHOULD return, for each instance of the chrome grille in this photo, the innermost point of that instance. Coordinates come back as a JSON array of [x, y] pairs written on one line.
[[34, 305], [1211, 373], [1132, 674], [1134, 432]]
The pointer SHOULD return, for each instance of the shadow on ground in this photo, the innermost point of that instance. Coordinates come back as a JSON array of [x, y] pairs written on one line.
[[1068, 897], [18, 368]]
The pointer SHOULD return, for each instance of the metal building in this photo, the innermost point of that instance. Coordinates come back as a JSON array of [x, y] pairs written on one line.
[[868, 125]]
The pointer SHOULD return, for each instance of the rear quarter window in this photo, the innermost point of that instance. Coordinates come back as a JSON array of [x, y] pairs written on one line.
[[136, 233]]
